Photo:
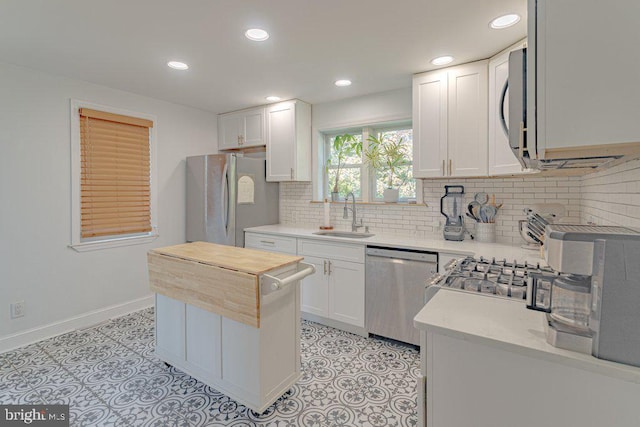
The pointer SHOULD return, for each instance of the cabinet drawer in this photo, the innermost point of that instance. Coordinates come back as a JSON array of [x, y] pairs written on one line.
[[339, 251], [269, 242]]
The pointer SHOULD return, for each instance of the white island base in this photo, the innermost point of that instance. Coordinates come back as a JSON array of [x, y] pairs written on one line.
[[229, 317], [486, 363], [254, 366]]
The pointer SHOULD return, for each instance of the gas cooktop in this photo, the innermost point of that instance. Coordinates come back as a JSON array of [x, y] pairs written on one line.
[[489, 276]]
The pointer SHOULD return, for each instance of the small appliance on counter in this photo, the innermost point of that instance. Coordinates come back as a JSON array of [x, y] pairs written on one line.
[[592, 301], [538, 216], [452, 207]]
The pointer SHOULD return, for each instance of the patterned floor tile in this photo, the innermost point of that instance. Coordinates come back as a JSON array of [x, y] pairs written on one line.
[[109, 375]]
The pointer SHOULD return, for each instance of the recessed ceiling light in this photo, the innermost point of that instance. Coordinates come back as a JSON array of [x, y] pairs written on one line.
[[256, 34], [442, 60], [177, 65], [504, 21], [342, 82], [272, 98]]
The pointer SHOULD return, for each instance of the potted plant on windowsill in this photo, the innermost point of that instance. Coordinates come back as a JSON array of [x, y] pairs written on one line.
[[386, 156], [343, 147]]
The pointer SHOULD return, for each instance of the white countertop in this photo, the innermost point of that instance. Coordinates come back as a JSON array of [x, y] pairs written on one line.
[[433, 243], [509, 325]]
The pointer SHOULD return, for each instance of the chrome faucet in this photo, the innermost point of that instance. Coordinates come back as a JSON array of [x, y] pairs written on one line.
[[354, 212]]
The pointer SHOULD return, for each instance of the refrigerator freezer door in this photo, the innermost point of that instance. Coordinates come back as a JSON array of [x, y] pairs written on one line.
[[210, 215], [264, 209]]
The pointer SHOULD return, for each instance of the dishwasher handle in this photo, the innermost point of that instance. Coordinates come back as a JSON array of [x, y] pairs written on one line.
[[405, 254]]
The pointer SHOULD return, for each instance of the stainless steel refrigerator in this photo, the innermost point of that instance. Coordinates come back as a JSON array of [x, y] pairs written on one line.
[[227, 193]]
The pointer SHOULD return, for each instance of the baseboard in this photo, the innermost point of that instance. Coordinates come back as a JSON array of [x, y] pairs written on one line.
[[335, 324], [85, 320]]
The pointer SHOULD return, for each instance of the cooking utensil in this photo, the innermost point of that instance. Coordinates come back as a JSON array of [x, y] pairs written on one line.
[[533, 236], [488, 213], [482, 198], [472, 217]]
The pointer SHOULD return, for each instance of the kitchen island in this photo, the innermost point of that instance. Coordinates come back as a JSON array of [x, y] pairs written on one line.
[[229, 317], [485, 362]]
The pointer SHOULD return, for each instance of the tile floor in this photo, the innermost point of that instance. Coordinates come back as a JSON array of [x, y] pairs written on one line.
[[110, 377]]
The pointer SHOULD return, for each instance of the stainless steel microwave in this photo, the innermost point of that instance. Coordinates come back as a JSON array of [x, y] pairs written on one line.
[[524, 145]]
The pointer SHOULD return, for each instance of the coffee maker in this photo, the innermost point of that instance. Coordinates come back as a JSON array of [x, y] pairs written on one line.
[[593, 300]]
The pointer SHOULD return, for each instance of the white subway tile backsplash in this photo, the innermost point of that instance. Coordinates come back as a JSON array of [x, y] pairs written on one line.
[[609, 197]]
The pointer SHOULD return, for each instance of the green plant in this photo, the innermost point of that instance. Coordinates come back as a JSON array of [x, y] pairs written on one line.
[[386, 156], [343, 147]]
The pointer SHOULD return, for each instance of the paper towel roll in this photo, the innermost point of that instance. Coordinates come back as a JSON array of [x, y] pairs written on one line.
[[327, 214]]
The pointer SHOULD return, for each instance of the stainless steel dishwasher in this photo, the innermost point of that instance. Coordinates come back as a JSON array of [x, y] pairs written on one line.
[[395, 282]]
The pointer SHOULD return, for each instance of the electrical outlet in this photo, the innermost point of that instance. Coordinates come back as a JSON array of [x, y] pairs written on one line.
[[17, 309]]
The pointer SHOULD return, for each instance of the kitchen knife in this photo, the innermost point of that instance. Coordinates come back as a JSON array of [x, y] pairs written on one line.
[[530, 234]]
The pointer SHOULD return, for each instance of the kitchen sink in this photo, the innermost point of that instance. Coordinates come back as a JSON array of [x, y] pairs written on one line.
[[350, 234]]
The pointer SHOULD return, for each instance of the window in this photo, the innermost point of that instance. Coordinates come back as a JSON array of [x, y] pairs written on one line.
[[112, 176], [356, 176], [344, 154], [402, 178]]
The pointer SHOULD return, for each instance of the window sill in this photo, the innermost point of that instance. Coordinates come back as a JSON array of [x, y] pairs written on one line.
[[113, 243]]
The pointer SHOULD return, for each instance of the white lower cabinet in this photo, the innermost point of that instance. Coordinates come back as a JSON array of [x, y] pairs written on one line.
[[315, 289], [336, 290], [251, 365]]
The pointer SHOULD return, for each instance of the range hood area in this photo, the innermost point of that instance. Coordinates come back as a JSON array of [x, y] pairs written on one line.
[[568, 110]]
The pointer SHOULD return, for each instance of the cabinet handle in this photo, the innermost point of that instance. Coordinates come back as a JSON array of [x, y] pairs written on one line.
[[450, 166], [267, 242], [329, 262], [325, 267], [444, 173], [291, 173], [241, 140]]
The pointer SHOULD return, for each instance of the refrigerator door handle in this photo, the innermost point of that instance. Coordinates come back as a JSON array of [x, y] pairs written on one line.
[[224, 192]]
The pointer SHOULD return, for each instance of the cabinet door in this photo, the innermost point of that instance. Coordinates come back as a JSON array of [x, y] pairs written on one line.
[[253, 128], [314, 289], [346, 292], [467, 140], [281, 141], [229, 128], [430, 124], [587, 73], [501, 158], [203, 341], [170, 328]]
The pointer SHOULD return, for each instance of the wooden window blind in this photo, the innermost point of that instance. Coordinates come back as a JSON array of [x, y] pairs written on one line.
[[115, 183]]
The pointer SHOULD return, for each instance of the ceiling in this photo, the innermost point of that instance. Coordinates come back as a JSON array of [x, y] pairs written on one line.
[[125, 44]]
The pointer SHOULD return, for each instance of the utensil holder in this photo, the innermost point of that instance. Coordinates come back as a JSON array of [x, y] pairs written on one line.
[[485, 232]]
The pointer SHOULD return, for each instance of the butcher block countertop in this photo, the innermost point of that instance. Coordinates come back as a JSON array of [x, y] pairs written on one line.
[[217, 278], [239, 259]]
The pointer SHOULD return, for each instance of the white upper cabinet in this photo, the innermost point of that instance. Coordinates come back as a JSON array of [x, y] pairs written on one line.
[[241, 129], [583, 67], [502, 160], [288, 139], [450, 122], [430, 124]]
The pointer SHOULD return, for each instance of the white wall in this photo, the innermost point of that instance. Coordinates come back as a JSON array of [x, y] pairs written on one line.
[[389, 106], [362, 110], [36, 265], [612, 196]]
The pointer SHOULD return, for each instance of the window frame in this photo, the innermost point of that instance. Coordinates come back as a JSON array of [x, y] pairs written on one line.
[[78, 243], [367, 176]]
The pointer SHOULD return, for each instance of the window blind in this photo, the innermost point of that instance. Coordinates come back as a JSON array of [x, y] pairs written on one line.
[[115, 187]]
